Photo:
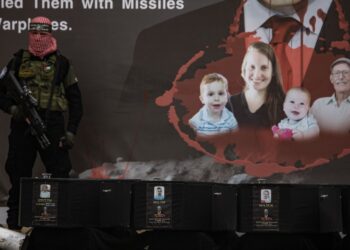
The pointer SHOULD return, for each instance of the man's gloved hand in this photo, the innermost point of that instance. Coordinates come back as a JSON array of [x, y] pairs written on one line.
[[16, 112], [67, 141]]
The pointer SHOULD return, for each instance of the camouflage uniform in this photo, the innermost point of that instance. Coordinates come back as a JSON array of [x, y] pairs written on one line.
[[42, 77]]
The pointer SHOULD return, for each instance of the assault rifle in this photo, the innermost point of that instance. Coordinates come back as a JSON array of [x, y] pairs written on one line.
[[28, 103]]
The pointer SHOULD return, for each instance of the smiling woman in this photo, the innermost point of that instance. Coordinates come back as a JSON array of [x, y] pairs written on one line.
[[260, 103]]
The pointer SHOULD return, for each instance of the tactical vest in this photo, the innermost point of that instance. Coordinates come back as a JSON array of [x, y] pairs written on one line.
[[46, 85]]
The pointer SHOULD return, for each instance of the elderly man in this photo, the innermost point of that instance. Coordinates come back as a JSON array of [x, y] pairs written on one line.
[[333, 113], [152, 73]]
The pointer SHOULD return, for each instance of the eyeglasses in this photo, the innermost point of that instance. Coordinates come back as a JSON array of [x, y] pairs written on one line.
[[345, 73]]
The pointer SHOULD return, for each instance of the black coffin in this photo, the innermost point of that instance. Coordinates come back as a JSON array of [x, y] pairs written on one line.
[[346, 209], [289, 208], [185, 206], [75, 203]]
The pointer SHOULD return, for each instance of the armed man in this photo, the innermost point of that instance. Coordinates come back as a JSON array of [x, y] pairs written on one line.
[[37, 87]]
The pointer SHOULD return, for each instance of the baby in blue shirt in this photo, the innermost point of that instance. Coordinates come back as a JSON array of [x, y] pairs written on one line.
[[213, 117]]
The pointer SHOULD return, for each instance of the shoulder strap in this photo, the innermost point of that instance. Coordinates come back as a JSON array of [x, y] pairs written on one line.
[[61, 70]]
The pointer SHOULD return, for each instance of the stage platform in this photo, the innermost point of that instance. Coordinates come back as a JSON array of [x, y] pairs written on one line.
[[157, 215], [192, 206]]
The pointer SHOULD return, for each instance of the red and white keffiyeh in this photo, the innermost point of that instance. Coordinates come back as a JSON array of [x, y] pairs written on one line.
[[41, 41]]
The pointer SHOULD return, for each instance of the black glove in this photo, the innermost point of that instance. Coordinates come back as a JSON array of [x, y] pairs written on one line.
[[16, 112], [67, 141]]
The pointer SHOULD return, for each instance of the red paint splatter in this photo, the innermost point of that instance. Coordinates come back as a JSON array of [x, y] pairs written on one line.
[[99, 173], [234, 27], [312, 22], [301, 9], [344, 45], [257, 150], [344, 152], [167, 98], [343, 23], [321, 14]]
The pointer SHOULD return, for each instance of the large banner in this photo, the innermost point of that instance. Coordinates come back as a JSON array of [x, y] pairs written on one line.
[[140, 65]]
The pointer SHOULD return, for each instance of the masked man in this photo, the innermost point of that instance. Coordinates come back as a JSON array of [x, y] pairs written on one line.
[[52, 82]]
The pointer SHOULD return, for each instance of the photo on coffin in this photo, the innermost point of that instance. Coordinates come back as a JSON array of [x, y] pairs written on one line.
[[159, 193]]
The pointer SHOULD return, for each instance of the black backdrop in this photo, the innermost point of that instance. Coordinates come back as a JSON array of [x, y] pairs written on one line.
[[122, 114], [100, 45]]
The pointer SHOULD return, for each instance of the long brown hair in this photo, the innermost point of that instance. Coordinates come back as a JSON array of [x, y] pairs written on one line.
[[275, 94]]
